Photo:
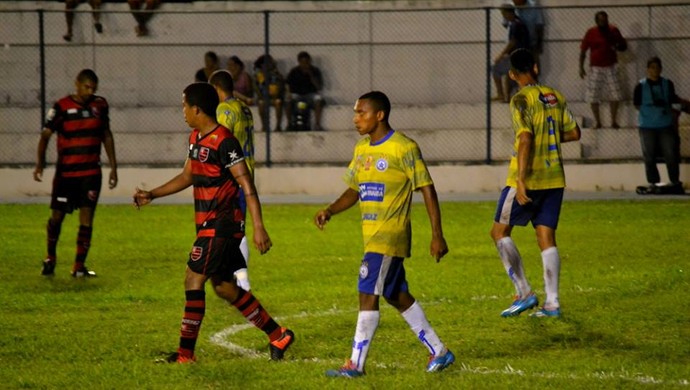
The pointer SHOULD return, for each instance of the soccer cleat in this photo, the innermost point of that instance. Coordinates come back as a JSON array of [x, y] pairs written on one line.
[[83, 273], [48, 267], [175, 357], [520, 305], [438, 363], [349, 370], [278, 347], [544, 313]]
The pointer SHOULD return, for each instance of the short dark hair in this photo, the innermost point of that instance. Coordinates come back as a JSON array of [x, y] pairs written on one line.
[[212, 55], [654, 60], [379, 101], [223, 80], [237, 61], [87, 74], [521, 61], [202, 95], [602, 13], [303, 54]]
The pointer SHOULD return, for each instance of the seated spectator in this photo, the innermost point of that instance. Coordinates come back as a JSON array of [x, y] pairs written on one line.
[[243, 87], [70, 5], [142, 17], [304, 83], [210, 66], [518, 38], [270, 89]]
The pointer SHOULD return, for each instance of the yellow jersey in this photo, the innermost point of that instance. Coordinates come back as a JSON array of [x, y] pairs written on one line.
[[237, 117], [385, 174], [544, 114]]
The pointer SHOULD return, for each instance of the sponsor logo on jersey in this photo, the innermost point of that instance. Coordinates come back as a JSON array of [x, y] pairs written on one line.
[[94, 111], [196, 253], [367, 163], [372, 192], [549, 99], [62, 199], [71, 110], [370, 217], [203, 154], [364, 270], [381, 164]]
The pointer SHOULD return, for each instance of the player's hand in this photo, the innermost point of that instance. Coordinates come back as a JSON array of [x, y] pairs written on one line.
[[261, 240], [38, 174], [582, 73], [112, 183], [141, 197], [321, 218], [521, 195], [439, 248]]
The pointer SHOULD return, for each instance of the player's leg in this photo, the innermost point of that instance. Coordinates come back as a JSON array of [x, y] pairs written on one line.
[[649, 143], [508, 214], [224, 260], [667, 143], [318, 103], [615, 94], [372, 274], [88, 192], [396, 293], [60, 204], [278, 105], [545, 223], [242, 273]]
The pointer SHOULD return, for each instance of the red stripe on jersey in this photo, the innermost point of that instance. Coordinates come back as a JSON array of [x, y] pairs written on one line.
[[83, 173]]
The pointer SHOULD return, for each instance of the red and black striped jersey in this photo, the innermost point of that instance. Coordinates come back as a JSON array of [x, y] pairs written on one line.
[[80, 129], [216, 193]]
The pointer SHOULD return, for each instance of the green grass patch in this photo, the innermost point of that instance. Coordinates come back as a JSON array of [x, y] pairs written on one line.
[[624, 285]]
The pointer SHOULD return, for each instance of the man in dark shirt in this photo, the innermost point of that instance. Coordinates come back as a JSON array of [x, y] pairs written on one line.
[[305, 83], [518, 38]]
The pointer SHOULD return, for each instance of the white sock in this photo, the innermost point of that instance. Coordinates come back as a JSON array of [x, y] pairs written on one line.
[[416, 318], [241, 275], [512, 262], [552, 270], [367, 322]]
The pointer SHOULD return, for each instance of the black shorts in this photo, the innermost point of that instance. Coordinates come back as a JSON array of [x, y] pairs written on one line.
[[75, 192], [216, 256]]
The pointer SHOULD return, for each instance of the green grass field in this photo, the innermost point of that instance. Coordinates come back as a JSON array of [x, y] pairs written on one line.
[[624, 291]]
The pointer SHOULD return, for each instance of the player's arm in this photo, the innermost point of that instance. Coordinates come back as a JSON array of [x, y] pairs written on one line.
[[348, 199], [244, 178], [176, 184], [109, 145], [439, 247], [572, 135], [525, 141], [41, 153]]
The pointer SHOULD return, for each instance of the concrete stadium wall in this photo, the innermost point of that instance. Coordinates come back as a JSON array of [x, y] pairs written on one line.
[[326, 181]]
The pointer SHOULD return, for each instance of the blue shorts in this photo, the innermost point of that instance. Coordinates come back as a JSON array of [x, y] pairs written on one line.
[[382, 275], [545, 208]]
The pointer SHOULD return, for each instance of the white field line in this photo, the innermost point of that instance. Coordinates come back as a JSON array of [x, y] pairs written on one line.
[[221, 339]]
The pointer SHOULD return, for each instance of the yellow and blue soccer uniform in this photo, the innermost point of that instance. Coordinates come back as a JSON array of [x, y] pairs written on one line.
[[237, 117], [545, 115], [385, 174]]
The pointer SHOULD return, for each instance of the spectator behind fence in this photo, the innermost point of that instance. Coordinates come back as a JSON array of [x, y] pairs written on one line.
[[304, 83], [270, 89], [70, 5], [82, 124], [653, 98], [210, 66], [518, 38], [533, 17], [602, 41], [243, 87], [142, 17]]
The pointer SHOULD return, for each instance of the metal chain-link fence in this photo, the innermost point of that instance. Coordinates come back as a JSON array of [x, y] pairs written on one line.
[[434, 65]]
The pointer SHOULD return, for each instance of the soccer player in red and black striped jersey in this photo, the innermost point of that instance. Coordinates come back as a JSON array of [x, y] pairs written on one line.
[[82, 124], [216, 168]]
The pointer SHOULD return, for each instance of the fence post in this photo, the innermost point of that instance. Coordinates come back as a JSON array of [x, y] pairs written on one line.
[[42, 65], [487, 21], [265, 88]]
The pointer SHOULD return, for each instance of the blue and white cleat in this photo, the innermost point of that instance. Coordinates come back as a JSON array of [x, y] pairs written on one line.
[[543, 313], [520, 305], [349, 370], [438, 363]]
